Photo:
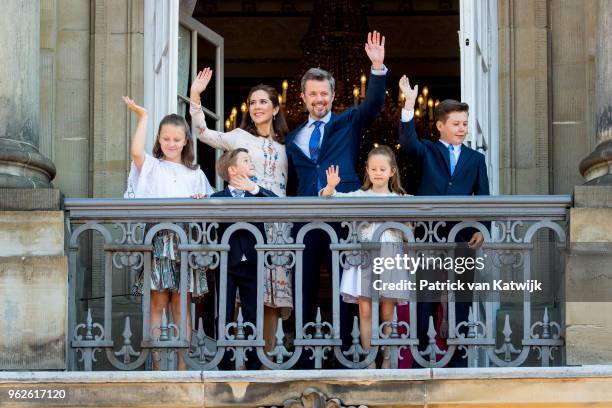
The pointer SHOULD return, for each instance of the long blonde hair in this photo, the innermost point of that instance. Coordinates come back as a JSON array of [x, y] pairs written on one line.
[[395, 182]]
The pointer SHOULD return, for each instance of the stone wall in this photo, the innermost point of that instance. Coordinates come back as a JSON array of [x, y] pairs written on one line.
[[589, 277], [524, 92], [117, 43], [91, 55], [33, 284], [547, 81], [65, 92], [573, 76]]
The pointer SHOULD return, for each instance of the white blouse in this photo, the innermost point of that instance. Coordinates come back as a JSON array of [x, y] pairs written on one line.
[[159, 178], [269, 156]]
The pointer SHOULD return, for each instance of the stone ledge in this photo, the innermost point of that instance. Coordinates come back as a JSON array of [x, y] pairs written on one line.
[[473, 387], [593, 196], [269, 376], [31, 233], [591, 225], [13, 199], [33, 306]]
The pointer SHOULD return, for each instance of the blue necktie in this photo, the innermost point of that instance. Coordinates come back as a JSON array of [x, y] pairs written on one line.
[[315, 140], [452, 158], [238, 193]]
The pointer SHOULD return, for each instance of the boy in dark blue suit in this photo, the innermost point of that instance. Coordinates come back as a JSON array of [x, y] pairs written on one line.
[[448, 168], [235, 167]]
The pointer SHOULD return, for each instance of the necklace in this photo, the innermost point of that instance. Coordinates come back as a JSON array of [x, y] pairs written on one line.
[[269, 135]]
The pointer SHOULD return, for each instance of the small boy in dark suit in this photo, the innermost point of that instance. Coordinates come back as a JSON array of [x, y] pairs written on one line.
[[235, 167]]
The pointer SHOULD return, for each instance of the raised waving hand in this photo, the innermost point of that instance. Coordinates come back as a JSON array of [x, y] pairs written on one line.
[[375, 48], [199, 84], [410, 93], [138, 139], [333, 179], [137, 109], [242, 182]]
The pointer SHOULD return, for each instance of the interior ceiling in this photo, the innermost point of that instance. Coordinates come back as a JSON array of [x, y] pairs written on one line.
[[262, 38]]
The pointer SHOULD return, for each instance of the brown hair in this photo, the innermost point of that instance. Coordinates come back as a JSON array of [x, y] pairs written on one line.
[[448, 106], [395, 182], [227, 160], [279, 124], [317, 74], [187, 155]]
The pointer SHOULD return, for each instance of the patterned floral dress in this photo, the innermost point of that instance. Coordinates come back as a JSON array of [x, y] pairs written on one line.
[[271, 168]]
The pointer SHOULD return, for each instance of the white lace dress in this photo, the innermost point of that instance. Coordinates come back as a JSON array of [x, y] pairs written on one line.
[[159, 178], [357, 281]]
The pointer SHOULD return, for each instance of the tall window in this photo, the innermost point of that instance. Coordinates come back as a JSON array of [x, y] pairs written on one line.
[[171, 63]]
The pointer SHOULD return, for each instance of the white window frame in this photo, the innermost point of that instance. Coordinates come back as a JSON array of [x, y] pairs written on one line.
[[161, 28], [478, 43], [199, 30], [160, 62]]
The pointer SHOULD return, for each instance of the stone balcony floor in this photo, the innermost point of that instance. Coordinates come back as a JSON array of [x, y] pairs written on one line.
[[587, 386]]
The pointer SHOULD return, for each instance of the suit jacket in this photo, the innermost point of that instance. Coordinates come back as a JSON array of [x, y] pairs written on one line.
[[340, 146], [469, 177], [242, 242]]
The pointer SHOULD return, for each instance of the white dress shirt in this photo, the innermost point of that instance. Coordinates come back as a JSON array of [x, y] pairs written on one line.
[[456, 149], [407, 115], [255, 190], [302, 139]]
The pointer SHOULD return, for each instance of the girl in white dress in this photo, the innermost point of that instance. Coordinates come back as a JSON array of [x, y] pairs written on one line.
[[382, 179], [262, 132], [169, 173]]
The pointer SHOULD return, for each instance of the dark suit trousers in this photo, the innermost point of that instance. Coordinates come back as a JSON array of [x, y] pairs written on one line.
[[462, 307], [317, 251], [244, 278]]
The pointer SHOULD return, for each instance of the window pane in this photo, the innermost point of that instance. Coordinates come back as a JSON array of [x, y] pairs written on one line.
[[184, 57]]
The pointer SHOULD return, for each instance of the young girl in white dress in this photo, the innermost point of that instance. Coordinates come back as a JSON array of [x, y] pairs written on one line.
[[382, 179], [169, 173]]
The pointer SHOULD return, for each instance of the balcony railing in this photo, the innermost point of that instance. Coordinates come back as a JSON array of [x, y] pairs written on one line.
[[110, 240]]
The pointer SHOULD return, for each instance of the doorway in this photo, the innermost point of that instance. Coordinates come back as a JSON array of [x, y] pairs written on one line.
[[266, 42]]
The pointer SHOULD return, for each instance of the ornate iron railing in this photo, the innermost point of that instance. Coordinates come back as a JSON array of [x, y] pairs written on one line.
[[524, 238]]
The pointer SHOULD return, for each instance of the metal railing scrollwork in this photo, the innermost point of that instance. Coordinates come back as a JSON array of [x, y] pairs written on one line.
[[524, 241]]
